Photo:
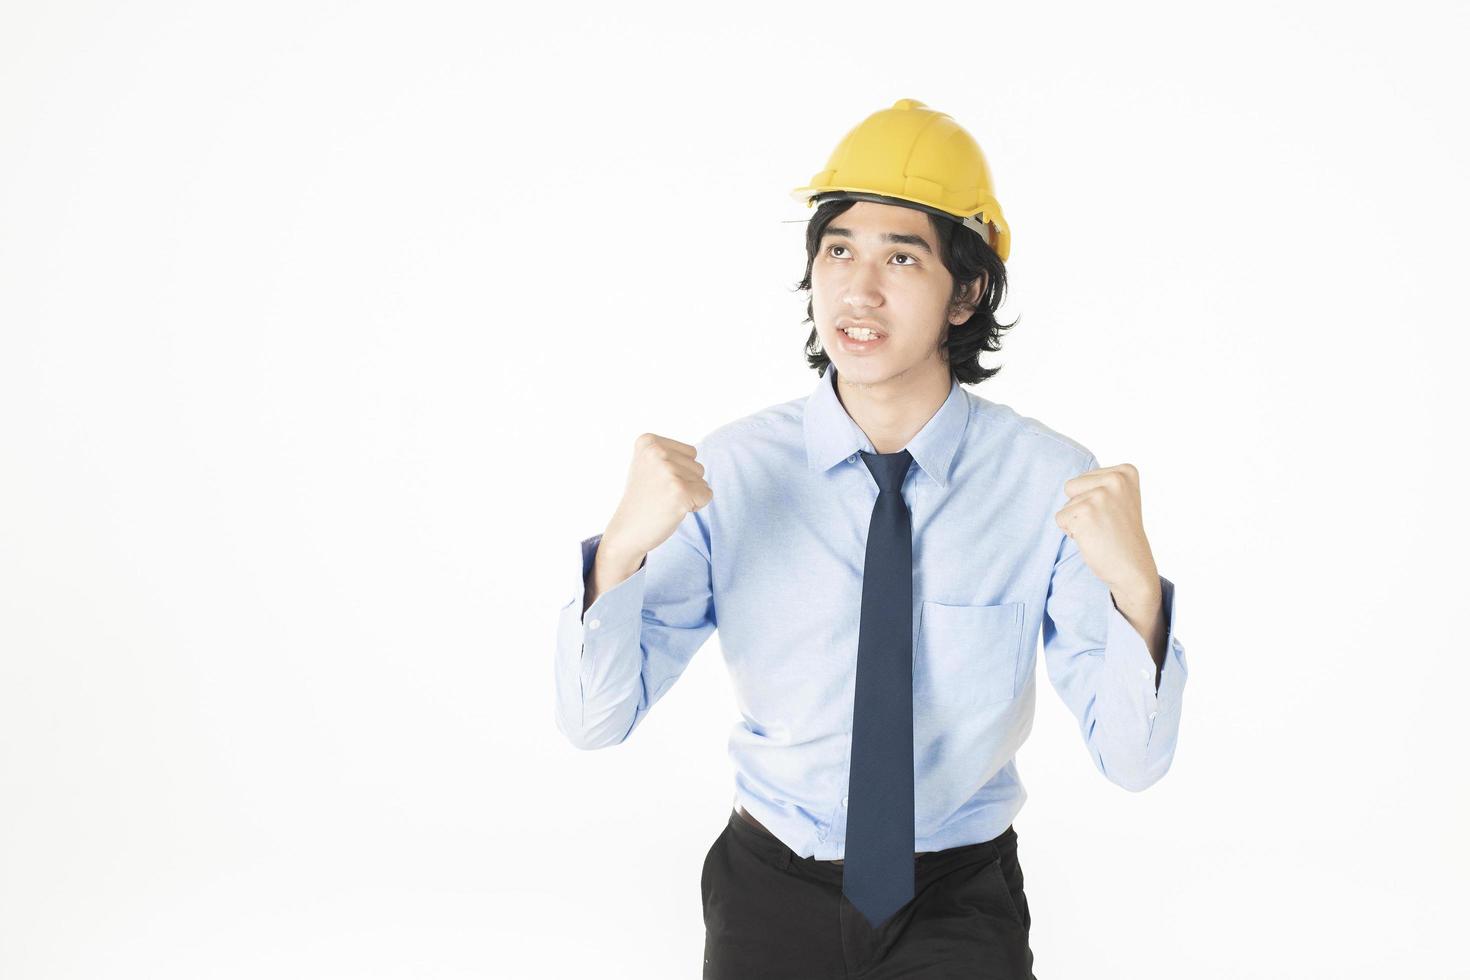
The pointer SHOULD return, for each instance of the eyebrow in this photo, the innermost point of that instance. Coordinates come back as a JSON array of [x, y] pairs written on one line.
[[916, 240]]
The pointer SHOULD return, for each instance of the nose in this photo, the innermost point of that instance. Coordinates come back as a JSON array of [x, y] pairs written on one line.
[[861, 293]]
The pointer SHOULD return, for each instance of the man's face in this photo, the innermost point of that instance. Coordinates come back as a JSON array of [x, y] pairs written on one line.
[[878, 264]]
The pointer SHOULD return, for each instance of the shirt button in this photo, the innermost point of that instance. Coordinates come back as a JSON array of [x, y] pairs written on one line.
[[1152, 715], [1146, 672], [844, 801], [594, 624], [852, 459]]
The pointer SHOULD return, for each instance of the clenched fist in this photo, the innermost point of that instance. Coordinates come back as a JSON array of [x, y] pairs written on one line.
[[665, 482], [1104, 515]]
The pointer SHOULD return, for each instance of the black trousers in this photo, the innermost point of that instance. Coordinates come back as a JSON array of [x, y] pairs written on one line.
[[770, 915]]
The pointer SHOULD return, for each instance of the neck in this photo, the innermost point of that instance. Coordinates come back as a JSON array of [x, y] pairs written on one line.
[[892, 412]]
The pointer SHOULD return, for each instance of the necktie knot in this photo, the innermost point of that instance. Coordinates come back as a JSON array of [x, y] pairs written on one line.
[[889, 469]]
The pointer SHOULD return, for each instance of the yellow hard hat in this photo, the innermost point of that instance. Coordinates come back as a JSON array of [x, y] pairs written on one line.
[[916, 155]]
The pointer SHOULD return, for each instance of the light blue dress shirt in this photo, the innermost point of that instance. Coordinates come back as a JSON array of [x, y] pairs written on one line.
[[775, 560]]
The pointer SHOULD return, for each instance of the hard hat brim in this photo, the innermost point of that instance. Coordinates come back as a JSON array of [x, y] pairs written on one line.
[[992, 230]]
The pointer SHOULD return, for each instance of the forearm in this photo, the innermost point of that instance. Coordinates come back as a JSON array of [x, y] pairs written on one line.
[[610, 568], [1143, 607], [599, 661]]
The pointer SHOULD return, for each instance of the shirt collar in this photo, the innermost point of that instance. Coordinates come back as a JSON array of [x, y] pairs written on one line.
[[832, 435]]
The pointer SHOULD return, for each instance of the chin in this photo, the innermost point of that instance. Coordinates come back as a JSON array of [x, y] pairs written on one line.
[[865, 370]]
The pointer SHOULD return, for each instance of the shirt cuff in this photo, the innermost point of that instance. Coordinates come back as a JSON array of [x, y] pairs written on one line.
[[590, 644], [616, 607], [1152, 691]]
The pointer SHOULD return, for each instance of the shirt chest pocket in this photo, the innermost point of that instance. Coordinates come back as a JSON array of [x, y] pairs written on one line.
[[967, 656]]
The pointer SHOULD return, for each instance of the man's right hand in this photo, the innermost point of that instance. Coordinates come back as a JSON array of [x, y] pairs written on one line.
[[665, 482]]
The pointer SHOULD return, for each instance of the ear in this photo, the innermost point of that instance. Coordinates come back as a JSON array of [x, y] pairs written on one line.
[[964, 307]]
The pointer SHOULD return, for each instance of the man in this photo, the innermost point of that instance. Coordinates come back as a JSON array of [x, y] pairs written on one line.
[[880, 557]]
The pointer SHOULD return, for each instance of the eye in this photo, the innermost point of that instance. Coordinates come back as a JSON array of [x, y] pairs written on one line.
[[905, 255]]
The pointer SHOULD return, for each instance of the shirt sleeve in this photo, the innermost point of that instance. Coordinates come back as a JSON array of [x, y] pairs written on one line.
[[614, 662], [1127, 706]]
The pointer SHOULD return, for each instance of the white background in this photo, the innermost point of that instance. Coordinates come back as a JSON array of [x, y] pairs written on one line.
[[327, 331]]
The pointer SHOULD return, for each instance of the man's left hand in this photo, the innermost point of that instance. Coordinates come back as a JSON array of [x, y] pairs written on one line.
[[1104, 515]]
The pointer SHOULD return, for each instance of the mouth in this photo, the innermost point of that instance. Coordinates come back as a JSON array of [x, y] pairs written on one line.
[[859, 330], [858, 338]]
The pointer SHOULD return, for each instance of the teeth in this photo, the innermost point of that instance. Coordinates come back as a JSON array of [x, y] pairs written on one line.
[[859, 333]]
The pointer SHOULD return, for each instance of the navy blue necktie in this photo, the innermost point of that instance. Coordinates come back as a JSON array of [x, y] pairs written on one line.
[[878, 860]]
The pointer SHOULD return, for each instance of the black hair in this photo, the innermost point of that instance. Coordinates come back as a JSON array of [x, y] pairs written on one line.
[[967, 257]]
